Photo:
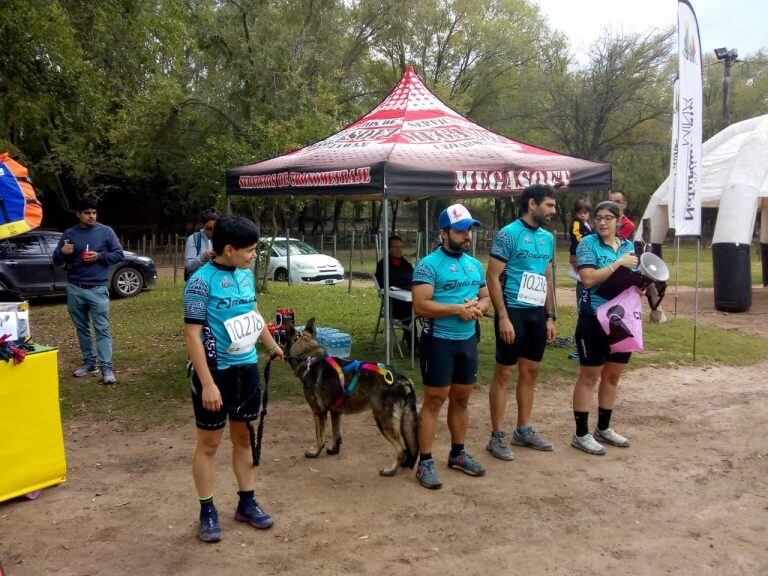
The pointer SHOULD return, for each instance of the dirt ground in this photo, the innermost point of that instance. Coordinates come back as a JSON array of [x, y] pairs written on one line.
[[690, 496]]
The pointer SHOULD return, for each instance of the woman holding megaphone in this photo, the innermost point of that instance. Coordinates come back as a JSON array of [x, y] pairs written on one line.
[[598, 257]]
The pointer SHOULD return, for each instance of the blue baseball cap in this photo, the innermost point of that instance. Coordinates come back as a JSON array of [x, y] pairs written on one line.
[[456, 217]]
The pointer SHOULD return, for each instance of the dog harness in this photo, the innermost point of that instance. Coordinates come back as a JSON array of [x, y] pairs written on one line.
[[356, 366]]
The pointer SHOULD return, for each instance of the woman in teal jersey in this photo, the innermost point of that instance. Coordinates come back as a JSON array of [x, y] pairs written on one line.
[[221, 328], [598, 256]]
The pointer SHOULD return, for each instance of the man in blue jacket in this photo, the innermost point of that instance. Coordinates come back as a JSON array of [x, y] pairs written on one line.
[[87, 250]]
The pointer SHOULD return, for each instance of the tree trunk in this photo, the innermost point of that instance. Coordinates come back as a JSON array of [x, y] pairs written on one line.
[[395, 208], [375, 216], [564, 211], [337, 206], [317, 216], [302, 219]]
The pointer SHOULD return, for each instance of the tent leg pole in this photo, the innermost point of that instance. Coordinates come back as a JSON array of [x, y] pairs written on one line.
[[385, 247], [351, 255], [229, 205], [554, 271], [288, 253], [426, 226]]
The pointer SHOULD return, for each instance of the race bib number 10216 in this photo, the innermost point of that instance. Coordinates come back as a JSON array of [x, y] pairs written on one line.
[[533, 289]]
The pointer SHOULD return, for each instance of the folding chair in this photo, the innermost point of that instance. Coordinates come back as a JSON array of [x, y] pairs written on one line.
[[394, 323]]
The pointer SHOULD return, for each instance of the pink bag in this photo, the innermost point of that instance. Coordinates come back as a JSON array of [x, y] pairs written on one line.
[[622, 320]]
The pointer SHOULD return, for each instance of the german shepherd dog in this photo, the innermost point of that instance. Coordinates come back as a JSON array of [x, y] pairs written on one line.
[[393, 404]]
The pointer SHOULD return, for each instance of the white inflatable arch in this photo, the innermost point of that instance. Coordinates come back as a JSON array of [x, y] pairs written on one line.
[[734, 179]]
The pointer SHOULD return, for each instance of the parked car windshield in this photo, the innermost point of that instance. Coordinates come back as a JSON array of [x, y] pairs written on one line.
[[297, 248]]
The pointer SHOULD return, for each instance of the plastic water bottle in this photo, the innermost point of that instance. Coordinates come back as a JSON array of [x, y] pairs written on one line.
[[345, 345], [330, 344]]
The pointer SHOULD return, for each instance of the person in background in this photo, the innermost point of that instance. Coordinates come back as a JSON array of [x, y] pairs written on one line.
[[626, 226], [598, 257], [87, 250], [198, 249], [400, 276], [580, 226]]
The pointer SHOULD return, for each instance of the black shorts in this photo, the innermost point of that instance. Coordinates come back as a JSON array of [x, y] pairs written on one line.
[[592, 344], [240, 395], [445, 362], [530, 326]]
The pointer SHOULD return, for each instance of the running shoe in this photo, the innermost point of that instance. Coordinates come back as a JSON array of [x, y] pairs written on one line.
[[532, 440], [108, 376], [209, 525], [588, 444], [249, 511], [85, 370], [466, 464], [610, 436], [573, 356], [427, 475], [497, 446]]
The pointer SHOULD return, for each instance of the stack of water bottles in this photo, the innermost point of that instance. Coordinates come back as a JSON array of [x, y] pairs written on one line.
[[335, 342]]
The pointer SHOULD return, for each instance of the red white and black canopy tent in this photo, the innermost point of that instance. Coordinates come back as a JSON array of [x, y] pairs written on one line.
[[412, 147]]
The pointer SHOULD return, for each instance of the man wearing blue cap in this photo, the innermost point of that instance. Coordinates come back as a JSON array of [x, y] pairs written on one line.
[[449, 290], [522, 291]]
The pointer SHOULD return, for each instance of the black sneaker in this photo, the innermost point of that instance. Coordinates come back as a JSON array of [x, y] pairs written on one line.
[[209, 525], [250, 511]]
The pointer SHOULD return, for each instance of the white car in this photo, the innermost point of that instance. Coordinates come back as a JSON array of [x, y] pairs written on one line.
[[308, 266]]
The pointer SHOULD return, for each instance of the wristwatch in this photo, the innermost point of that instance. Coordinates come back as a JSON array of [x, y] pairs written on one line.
[[551, 315]]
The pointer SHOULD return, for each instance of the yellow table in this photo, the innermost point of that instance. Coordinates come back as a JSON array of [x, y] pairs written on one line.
[[31, 439]]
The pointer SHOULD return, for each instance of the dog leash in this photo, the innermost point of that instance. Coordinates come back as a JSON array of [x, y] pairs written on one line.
[[254, 437], [256, 443]]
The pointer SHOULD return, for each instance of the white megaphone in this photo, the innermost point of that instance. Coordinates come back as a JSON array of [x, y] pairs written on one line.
[[653, 267], [650, 269]]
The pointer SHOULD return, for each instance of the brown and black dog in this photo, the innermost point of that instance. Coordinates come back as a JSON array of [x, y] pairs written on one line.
[[393, 404]]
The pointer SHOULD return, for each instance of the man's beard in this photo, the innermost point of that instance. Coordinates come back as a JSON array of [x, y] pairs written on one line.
[[540, 219], [456, 247]]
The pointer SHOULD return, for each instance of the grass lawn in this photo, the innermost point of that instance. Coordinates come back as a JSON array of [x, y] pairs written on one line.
[[687, 266], [150, 356]]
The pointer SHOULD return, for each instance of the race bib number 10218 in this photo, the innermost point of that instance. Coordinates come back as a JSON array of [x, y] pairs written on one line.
[[243, 331]]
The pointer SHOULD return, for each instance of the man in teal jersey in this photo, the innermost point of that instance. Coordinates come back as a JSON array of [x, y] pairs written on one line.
[[221, 328], [520, 283], [449, 290]]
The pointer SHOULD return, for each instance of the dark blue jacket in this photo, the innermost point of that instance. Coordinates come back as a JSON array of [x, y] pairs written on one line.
[[97, 238], [400, 276]]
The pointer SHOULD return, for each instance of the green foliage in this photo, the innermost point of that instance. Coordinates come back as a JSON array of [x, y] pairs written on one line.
[[152, 100], [748, 90]]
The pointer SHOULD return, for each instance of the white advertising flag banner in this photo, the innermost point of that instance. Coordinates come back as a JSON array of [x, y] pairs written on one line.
[[687, 190], [673, 153]]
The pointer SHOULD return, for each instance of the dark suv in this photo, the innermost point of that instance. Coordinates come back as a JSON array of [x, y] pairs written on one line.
[[26, 265]]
